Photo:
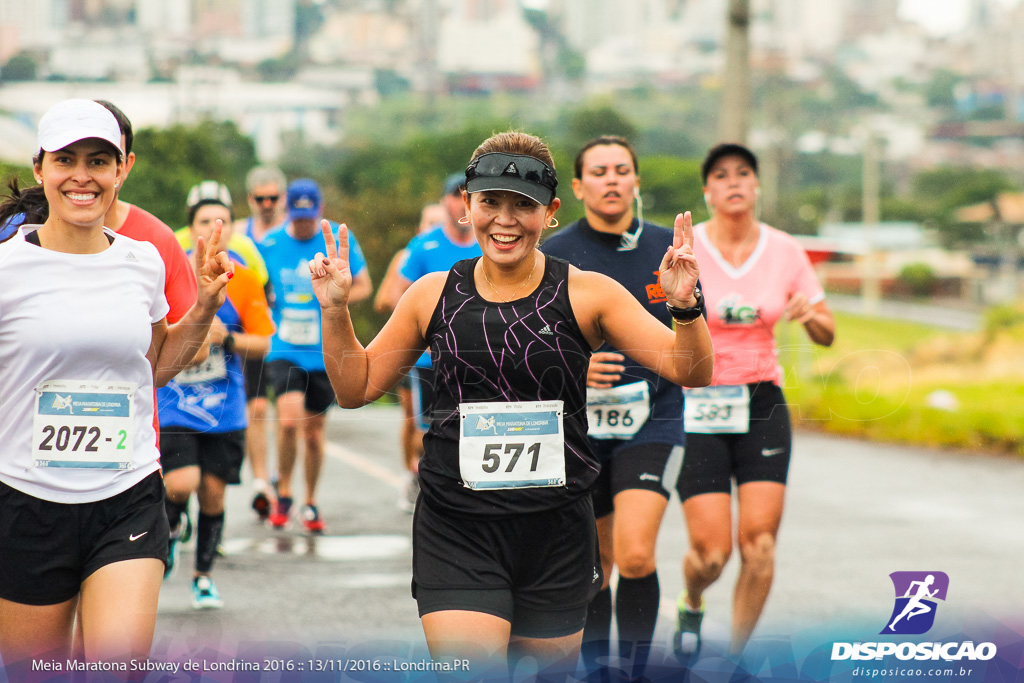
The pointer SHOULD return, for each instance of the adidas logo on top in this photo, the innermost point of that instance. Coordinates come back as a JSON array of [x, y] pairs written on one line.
[[546, 330], [511, 169], [131, 258]]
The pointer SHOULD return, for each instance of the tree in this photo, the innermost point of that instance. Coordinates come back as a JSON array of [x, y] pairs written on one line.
[[20, 67], [170, 161], [589, 122]]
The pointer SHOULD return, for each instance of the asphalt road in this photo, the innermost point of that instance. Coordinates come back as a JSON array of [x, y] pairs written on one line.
[[855, 513]]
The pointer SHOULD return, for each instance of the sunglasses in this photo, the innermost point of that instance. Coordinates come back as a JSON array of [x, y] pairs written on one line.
[[260, 198]]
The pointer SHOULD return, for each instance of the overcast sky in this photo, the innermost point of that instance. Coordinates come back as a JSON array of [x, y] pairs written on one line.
[[940, 16]]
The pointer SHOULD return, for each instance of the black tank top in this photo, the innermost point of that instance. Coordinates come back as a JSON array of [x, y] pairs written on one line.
[[530, 349]]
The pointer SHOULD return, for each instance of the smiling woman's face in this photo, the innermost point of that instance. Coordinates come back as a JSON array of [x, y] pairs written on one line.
[[79, 181], [608, 181]]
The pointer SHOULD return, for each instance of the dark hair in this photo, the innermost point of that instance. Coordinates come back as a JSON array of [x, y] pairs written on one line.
[[122, 122], [30, 201], [577, 168], [514, 142], [193, 210], [726, 149]]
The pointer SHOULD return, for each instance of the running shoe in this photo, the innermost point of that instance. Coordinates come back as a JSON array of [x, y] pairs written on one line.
[[261, 505], [263, 499], [312, 520], [686, 641], [205, 594], [279, 515], [185, 526], [173, 550]]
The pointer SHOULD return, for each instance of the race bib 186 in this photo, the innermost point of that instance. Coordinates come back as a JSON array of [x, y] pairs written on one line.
[[84, 424], [619, 412], [511, 445]]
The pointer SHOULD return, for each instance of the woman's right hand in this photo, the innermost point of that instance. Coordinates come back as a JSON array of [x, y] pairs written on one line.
[[213, 272], [332, 279], [604, 369]]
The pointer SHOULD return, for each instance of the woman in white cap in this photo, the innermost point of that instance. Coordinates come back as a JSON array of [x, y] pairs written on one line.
[[83, 340], [505, 555]]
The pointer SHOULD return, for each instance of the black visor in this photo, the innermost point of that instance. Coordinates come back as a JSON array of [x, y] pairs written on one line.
[[513, 172]]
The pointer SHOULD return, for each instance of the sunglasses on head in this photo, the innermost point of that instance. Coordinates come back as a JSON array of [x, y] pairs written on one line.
[[524, 167], [260, 198], [516, 172]]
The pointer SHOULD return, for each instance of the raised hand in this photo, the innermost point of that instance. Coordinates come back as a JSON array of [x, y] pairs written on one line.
[[679, 270], [213, 271], [332, 279]]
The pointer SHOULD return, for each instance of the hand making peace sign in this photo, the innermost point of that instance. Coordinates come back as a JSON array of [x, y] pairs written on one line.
[[213, 271], [679, 270], [332, 279]]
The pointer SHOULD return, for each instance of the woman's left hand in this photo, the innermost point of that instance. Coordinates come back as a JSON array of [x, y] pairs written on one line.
[[679, 270], [214, 270], [798, 308]]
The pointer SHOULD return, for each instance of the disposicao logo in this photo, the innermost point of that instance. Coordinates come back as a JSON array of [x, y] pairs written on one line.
[[916, 596], [913, 613]]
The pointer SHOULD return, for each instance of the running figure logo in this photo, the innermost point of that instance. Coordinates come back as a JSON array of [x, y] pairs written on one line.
[[483, 423], [916, 595], [60, 403]]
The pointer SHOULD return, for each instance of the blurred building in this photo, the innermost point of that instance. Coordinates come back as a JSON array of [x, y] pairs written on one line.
[[487, 45]]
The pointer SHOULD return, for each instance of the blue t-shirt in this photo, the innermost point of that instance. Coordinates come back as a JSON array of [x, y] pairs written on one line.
[[209, 397], [433, 252], [294, 307], [11, 225], [637, 271]]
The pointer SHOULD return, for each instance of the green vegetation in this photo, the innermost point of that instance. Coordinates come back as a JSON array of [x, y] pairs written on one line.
[[918, 277], [20, 67], [908, 383]]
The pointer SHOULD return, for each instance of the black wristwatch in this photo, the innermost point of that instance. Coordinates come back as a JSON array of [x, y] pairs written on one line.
[[229, 343], [685, 315]]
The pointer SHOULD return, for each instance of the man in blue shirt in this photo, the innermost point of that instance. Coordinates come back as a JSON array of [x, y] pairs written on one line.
[[295, 363]]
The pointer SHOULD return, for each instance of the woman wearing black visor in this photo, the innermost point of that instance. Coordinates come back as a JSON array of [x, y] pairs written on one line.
[[504, 547]]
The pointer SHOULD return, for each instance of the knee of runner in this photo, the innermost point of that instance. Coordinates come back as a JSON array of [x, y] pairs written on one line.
[[759, 552], [636, 564], [711, 561]]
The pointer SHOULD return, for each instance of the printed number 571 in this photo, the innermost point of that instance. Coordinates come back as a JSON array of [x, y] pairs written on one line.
[[493, 455]]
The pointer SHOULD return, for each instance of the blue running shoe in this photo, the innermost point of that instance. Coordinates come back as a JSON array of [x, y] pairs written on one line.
[[205, 594]]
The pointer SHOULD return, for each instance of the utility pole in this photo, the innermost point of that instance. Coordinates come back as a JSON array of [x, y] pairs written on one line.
[[871, 287], [734, 117]]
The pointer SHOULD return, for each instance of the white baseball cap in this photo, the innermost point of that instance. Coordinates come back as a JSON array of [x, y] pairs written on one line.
[[73, 120]]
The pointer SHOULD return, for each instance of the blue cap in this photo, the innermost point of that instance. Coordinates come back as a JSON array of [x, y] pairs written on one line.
[[304, 199], [454, 183]]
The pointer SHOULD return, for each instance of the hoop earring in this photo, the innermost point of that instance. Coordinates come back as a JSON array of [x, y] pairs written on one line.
[[463, 221], [553, 223]]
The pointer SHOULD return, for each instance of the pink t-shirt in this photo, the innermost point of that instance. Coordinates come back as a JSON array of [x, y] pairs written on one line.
[[744, 303]]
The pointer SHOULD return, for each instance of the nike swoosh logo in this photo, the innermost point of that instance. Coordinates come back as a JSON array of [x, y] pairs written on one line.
[[771, 451], [135, 537]]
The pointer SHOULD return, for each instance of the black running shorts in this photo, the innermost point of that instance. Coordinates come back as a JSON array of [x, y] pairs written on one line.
[[257, 378], [48, 549], [644, 466], [286, 376], [218, 454], [712, 461], [537, 571]]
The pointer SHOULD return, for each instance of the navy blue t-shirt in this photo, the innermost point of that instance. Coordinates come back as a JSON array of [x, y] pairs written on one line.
[[637, 271]]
